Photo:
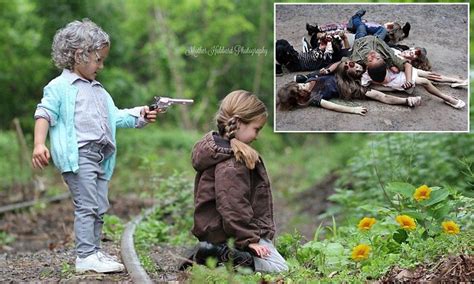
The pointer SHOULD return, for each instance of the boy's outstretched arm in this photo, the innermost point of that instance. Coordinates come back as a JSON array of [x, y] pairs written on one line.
[[40, 157]]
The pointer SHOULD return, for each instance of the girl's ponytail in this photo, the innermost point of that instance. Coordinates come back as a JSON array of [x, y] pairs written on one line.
[[240, 106], [244, 153]]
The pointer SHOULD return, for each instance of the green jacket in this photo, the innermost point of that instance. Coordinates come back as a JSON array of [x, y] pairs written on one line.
[[362, 47]]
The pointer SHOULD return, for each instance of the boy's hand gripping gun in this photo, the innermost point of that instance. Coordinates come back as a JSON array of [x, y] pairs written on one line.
[[163, 103]]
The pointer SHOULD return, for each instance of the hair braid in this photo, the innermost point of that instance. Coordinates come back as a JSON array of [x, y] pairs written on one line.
[[244, 107], [231, 127]]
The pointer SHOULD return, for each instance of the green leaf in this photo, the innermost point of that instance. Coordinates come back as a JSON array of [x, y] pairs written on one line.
[[441, 212], [400, 236], [425, 235], [436, 196], [415, 214], [404, 189], [334, 249]]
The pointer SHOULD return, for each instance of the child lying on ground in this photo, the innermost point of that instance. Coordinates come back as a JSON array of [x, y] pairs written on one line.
[[381, 75], [344, 84]]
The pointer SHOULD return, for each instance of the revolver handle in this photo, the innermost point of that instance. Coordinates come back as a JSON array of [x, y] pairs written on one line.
[[150, 107], [154, 107]]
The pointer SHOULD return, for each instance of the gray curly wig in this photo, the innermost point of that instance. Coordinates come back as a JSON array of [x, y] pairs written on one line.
[[84, 36]]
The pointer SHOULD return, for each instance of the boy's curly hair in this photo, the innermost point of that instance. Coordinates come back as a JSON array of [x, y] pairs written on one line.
[[83, 36]]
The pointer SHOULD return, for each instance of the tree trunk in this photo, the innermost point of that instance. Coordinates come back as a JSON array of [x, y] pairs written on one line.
[[176, 63], [262, 34]]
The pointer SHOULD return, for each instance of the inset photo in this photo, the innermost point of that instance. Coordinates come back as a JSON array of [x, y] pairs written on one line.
[[371, 67]]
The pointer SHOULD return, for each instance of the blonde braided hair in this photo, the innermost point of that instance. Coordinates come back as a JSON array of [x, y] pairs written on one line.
[[240, 106]]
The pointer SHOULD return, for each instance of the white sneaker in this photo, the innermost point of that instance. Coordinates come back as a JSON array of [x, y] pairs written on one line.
[[103, 256], [94, 263]]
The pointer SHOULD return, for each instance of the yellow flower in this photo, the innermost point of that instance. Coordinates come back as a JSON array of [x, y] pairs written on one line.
[[422, 193], [406, 222], [450, 227], [366, 223], [360, 252]]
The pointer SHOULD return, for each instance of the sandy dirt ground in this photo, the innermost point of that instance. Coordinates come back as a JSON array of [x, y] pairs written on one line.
[[441, 29]]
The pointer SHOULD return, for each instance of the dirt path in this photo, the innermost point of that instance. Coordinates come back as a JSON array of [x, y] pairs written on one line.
[[441, 29], [43, 250]]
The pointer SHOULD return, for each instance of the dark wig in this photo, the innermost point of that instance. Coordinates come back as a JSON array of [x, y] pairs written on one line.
[[348, 83], [290, 97]]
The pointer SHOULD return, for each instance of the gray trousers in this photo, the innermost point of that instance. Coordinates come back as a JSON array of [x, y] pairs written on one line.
[[89, 190], [274, 263]]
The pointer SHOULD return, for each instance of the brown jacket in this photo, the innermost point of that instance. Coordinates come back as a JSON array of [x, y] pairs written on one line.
[[230, 200]]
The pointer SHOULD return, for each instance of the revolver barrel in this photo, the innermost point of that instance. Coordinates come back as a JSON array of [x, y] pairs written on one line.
[[165, 102]]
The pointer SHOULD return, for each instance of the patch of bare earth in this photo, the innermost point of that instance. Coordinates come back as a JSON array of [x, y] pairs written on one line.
[[43, 250], [450, 269]]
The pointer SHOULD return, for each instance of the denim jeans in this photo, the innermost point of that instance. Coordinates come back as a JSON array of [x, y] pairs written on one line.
[[89, 190], [362, 30]]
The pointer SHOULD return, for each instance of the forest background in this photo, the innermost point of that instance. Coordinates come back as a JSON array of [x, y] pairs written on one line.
[[200, 50]]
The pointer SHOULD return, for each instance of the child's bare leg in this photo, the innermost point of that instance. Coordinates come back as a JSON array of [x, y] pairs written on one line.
[[434, 91], [392, 100], [440, 78]]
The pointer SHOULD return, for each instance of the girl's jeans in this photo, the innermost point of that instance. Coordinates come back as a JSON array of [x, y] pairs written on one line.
[[89, 190], [274, 263]]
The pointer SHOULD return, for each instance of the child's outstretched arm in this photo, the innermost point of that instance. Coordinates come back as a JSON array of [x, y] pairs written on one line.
[[408, 71], [40, 157], [340, 108], [330, 69]]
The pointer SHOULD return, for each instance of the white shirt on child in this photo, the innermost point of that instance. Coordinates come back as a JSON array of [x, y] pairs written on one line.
[[395, 80]]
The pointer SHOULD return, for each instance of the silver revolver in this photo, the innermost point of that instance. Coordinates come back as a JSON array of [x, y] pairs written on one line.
[[163, 103]]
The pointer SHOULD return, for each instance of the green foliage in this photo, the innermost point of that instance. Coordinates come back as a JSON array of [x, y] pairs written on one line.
[[11, 171], [155, 51], [171, 220], [113, 227], [67, 270], [296, 161], [22, 68], [288, 244], [203, 274], [416, 159], [5, 238], [156, 152], [330, 259]]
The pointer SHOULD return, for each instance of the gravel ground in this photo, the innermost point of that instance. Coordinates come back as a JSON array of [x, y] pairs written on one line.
[[441, 29]]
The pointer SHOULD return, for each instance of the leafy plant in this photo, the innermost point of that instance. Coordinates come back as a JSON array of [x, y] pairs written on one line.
[[171, 220], [113, 227], [6, 238], [414, 159], [67, 270]]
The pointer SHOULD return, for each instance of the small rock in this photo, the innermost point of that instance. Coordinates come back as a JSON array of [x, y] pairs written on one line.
[[404, 275]]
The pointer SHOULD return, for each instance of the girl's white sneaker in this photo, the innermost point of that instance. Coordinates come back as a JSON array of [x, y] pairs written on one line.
[[98, 264]]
